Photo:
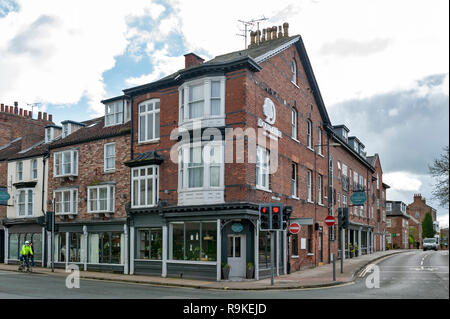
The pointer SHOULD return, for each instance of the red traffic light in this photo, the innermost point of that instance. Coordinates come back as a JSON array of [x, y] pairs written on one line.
[[275, 210], [263, 210]]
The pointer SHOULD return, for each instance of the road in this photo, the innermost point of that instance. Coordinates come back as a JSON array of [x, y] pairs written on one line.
[[413, 275]]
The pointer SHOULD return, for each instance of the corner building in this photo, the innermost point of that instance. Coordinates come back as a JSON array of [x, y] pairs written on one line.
[[258, 118]]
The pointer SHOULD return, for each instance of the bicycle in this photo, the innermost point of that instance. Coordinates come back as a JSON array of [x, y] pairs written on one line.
[[23, 266]]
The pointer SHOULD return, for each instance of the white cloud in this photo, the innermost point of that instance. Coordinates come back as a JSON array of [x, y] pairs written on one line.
[[56, 51], [403, 181], [443, 221]]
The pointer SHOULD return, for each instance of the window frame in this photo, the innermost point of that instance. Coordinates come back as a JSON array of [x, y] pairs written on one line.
[[294, 180], [319, 141], [110, 198], [309, 133], [309, 186], [261, 170], [33, 169], [73, 201], [184, 99], [105, 157], [19, 172], [118, 109], [154, 111], [155, 182], [73, 167], [25, 203], [294, 124], [294, 72], [319, 189]]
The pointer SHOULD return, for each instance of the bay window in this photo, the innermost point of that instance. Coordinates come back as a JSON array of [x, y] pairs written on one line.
[[66, 201], [202, 99], [145, 186], [101, 198], [149, 120], [66, 163]]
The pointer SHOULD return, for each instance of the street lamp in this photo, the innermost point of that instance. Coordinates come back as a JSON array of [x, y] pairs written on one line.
[[315, 202]]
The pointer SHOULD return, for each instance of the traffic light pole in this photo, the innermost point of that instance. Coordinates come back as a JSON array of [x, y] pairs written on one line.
[[272, 255], [52, 257]]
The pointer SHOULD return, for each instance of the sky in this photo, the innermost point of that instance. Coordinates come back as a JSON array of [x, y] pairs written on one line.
[[382, 66]]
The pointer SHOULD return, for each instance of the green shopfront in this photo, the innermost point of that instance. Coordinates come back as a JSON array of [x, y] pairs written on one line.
[[195, 241]]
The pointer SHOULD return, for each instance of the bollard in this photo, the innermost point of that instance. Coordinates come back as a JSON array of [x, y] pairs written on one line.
[[334, 267]]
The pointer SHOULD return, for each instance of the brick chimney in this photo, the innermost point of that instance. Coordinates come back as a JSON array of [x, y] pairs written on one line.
[[192, 59]]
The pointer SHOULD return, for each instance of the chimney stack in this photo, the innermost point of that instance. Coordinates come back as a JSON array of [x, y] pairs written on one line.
[[50, 118], [20, 111], [45, 116], [263, 38], [39, 115], [192, 59], [30, 114], [2, 107], [286, 29], [25, 113], [16, 110]]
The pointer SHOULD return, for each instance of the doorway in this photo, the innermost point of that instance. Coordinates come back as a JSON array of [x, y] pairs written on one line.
[[236, 256]]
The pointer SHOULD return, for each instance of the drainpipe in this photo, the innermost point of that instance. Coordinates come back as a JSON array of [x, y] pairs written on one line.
[[43, 200]]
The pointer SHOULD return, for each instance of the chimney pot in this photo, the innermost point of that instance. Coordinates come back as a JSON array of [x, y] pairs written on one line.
[[16, 104], [25, 113], [30, 114], [45, 116], [269, 34], [258, 37], [192, 59], [263, 39], [274, 32], [280, 33], [50, 118], [39, 115], [2, 107], [16, 110], [286, 29], [20, 112]]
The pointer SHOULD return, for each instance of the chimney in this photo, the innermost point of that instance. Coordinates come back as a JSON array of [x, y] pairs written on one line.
[[285, 29], [2, 107], [258, 37], [30, 114], [39, 115], [16, 104], [16, 111], [263, 38], [274, 32], [25, 113], [192, 59], [45, 116], [50, 118], [280, 34], [20, 112]]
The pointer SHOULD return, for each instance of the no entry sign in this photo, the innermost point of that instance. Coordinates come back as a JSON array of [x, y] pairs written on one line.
[[294, 228], [330, 221]]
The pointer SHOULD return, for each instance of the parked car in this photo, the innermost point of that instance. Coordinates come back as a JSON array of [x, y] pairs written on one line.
[[430, 243]]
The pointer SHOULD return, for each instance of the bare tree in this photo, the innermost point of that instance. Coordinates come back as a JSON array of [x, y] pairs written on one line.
[[440, 171]]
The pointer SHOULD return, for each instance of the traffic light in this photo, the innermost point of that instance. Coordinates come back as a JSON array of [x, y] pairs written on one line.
[[287, 211], [276, 216], [343, 217], [264, 216]]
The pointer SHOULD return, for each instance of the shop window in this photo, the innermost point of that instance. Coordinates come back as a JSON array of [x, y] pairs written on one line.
[[264, 250], [36, 239], [150, 243], [194, 241], [106, 248], [13, 246]]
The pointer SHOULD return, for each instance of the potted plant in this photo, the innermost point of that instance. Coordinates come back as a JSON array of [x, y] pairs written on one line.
[[250, 270], [225, 270], [352, 250], [356, 250]]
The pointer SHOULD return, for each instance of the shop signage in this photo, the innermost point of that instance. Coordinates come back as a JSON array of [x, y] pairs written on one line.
[[4, 195], [358, 198], [237, 228]]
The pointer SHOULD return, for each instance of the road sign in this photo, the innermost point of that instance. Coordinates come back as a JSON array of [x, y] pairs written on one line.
[[294, 228], [330, 221], [358, 198]]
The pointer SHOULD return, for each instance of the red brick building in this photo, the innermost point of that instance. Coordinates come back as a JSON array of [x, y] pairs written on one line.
[[90, 187], [418, 209], [397, 225]]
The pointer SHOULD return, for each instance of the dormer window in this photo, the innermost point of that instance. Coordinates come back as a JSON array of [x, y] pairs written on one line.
[[66, 129], [345, 135], [48, 134], [355, 146], [114, 113]]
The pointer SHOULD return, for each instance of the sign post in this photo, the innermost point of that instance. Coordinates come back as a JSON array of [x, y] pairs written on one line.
[[294, 228]]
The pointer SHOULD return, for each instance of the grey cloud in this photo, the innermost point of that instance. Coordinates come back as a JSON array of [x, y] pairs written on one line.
[[347, 47], [31, 39], [408, 139]]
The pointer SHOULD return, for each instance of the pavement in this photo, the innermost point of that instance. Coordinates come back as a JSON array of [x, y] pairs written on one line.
[[317, 277]]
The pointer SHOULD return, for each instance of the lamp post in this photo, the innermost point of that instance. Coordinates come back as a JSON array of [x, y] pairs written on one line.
[[315, 201]]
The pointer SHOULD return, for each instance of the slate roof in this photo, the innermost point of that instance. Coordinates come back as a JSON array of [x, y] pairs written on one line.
[[38, 149], [11, 148], [94, 129], [150, 157]]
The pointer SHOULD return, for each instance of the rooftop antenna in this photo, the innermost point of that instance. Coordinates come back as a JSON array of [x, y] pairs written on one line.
[[252, 24]]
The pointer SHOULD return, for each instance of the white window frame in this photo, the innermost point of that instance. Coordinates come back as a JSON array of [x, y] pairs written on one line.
[[294, 124], [388, 223], [207, 163], [309, 134], [73, 165], [19, 171], [319, 189], [294, 179], [49, 134], [66, 129], [144, 179], [26, 202], [388, 207], [339, 169], [105, 157], [344, 200], [34, 170], [319, 141], [73, 201], [309, 185], [262, 169], [115, 111], [294, 72], [184, 99], [155, 103], [110, 198]]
